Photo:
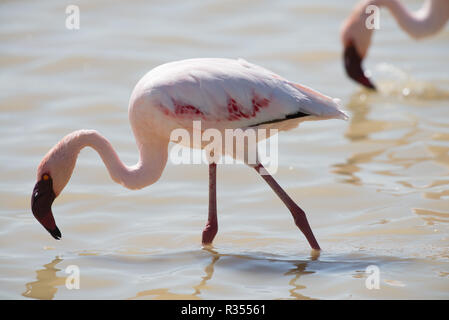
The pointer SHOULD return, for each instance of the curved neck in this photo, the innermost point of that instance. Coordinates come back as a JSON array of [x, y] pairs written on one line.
[[428, 20], [153, 157]]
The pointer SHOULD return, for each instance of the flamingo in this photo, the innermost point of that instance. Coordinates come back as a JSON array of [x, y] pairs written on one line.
[[356, 37], [221, 93]]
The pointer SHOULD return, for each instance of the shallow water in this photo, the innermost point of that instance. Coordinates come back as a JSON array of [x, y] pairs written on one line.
[[375, 188]]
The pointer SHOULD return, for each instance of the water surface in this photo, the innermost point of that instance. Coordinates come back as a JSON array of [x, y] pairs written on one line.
[[375, 188]]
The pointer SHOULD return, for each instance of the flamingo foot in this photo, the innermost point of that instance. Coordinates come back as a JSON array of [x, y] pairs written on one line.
[[209, 233]]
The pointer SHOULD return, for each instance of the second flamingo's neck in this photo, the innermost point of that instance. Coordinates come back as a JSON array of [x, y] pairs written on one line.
[[153, 156], [428, 20]]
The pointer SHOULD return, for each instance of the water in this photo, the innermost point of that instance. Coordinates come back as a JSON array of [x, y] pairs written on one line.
[[375, 188]]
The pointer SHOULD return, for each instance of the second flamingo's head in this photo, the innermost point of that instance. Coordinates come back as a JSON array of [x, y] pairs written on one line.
[[41, 201], [53, 174], [356, 39]]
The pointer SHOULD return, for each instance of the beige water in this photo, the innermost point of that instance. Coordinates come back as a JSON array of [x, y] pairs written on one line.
[[375, 188]]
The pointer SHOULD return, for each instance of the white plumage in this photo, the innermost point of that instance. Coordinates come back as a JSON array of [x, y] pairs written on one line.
[[236, 92]]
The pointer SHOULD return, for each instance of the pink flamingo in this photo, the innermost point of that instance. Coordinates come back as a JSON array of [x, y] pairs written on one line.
[[221, 93], [356, 37]]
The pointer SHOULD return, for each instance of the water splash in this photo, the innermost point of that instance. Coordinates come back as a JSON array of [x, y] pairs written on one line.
[[395, 82]]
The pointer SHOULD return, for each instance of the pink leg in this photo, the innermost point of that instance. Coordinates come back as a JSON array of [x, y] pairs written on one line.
[[298, 214], [211, 228]]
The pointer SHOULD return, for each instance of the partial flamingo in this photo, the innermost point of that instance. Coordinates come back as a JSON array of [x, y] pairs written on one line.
[[356, 37], [222, 94]]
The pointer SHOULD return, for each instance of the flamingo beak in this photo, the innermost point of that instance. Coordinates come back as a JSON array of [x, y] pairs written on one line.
[[353, 66], [41, 201]]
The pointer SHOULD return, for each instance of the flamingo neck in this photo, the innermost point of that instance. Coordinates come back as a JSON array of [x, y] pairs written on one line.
[[153, 157], [429, 19]]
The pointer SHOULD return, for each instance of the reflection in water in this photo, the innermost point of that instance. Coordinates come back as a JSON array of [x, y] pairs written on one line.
[[391, 147], [164, 293], [298, 270], [431, 216], [360, 128], [209, 270], [350, 267], [352, 166], [47, 282], [436, 195], [401, 151]]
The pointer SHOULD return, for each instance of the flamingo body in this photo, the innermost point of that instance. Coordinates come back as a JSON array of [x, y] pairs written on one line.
[[225, 93]]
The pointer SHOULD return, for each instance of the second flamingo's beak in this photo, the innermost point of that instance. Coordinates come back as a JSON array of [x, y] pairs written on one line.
[[41, 201], [353, 66]]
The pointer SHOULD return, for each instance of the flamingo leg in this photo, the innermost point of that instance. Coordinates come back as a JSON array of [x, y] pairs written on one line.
[[211, 228], [298, 214]]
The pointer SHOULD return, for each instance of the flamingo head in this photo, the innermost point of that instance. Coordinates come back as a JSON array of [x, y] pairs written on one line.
[[41, 201], [356, 40], [53, 174], [353, 66]]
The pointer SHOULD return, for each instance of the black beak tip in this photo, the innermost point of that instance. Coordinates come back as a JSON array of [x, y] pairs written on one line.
[[353, 67], [55, 233], [368, 84]]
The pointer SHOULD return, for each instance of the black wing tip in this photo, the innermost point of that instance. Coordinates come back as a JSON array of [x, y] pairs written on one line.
[[287, 117]]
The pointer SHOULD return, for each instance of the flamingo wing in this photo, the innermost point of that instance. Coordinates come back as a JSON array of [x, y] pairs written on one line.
[[235, 92]]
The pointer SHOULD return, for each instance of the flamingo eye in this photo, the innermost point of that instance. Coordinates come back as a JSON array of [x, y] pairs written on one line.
[[45, 177]]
